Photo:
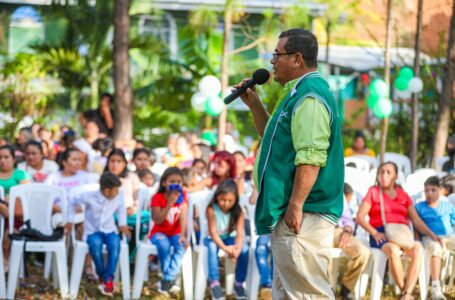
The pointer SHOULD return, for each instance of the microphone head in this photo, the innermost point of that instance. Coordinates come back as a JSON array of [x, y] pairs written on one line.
[[261, 76]]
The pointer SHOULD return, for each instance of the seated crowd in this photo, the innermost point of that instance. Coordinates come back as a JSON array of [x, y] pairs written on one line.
[[190, 165]]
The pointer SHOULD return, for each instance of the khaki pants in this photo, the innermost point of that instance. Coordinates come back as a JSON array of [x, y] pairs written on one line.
[[435, 247], [301, 261], [359, 256]]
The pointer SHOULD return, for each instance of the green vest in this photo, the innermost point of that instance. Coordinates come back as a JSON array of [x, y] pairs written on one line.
[[276, 168]]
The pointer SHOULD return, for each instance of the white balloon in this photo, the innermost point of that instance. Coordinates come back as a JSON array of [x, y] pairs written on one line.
[[198, 101], [415, 85], [405, 95], [210, 85]]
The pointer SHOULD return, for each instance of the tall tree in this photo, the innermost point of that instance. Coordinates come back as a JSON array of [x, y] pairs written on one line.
[[123, 113], [446, 100], [388, 40], [415, 99]]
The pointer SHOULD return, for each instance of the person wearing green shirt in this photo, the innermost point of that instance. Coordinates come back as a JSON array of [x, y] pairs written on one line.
[[299, 171]]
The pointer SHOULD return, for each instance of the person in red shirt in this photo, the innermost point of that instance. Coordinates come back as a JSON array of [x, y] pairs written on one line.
[[169, 207], [398, 208]]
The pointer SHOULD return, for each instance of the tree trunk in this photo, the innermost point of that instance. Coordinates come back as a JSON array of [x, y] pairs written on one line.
[[123, 112], [445, 102], [385, 122], [224, 73], [415, 99]]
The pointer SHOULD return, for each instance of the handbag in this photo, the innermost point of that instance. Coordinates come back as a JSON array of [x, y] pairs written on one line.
[[399, 234]]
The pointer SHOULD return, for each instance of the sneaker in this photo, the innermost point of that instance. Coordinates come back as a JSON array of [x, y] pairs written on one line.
[[217, 293], [239, 291], [107, 289], [436, 294], [165, 286]]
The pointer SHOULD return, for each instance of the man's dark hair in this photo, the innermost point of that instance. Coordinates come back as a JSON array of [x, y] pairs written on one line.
[[304, 42], [433, 180], [109, 180], [108, 95]]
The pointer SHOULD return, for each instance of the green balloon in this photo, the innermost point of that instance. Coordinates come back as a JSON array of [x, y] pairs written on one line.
[[210, 137], [372, 99], [406, 73], [401, 83], [383, 108], [379, 88], [214, 106]]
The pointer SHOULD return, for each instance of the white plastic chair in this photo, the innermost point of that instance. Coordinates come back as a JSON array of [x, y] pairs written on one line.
[[159, 168], [81, 249], [2, 271], [159, 153], [415, 181], [144, 248], [37, 200], [451, 199], [200, 200], [93, 177], [372, 161], [377, 280], [358, 163], [359, 180], [253, 276], [440, 161], [402, 161]]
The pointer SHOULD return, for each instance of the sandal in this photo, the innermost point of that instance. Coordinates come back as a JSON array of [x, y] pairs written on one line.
[[89, 273], [404, 294]]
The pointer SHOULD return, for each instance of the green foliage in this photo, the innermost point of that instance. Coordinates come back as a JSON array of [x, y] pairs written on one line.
[[23, 90]]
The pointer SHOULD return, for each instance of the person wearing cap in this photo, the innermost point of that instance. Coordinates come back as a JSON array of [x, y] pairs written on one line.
[[299, 170]]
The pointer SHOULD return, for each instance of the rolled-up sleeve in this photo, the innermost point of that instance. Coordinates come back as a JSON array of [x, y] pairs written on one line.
[[310, 129]]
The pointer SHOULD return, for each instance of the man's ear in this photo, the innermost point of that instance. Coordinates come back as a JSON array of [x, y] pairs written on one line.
[[300, 61]]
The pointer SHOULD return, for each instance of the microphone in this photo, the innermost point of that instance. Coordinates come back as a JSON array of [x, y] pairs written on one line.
[[260, 77]]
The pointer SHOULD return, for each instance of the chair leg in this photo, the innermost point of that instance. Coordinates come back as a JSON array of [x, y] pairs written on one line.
[[379, 264], [80, 250], [423, 278], [2, 277], [125, 270], [253, 285], [230, 276], [62, 269], [47, 265], [141, 266], [187, 274], [201, 273], [53, 264], [17, 251]]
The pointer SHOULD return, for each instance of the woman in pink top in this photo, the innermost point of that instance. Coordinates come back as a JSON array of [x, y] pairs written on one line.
[[398, 208]]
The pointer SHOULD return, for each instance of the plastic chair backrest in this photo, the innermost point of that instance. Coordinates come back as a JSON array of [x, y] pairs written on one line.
[[93, 177], [81, 189], [402, 161], [359, 180], [2, 193], [440, 161], [372, 161], [37, 200], [144, 197], [451, 199], [199, 200], [358, 163], [159, 168], [159, 153], [415, 181]]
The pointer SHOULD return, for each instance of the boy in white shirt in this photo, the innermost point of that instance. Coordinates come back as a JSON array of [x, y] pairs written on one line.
[[100, 228]]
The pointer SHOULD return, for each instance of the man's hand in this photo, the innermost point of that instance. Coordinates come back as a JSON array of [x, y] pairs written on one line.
[[125, 230], [68, 228], [293, 217], [251, 97], [345, 240]]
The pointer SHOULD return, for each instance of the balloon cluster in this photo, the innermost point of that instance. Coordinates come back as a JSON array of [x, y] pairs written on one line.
[[207, 99], [378, 100], [406, 83]]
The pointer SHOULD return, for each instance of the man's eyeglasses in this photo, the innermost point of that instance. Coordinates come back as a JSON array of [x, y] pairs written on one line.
[[275, 55]]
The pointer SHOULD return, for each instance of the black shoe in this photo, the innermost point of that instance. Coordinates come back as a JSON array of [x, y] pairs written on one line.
[[165, 286], [345, 293]]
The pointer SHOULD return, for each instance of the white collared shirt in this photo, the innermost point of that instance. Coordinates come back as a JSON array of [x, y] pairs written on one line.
[[99, 212]]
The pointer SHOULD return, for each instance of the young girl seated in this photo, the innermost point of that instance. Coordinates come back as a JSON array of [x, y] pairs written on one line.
[[169, 207], [226, 229]]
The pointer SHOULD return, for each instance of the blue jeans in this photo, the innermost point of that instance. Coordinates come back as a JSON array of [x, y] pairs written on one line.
[[95, 243], [170, 261], [262, 259], [242, 261]]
